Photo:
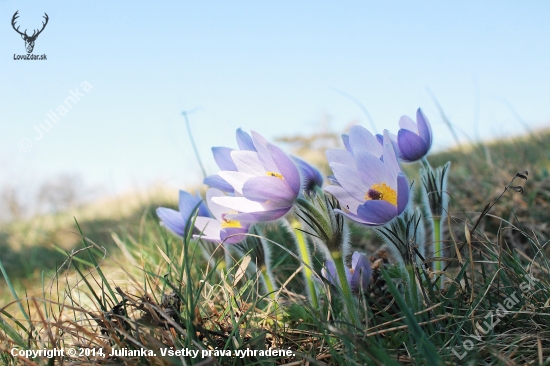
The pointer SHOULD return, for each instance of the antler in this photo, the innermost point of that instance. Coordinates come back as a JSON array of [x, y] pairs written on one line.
[[34, 34], [15, 16]]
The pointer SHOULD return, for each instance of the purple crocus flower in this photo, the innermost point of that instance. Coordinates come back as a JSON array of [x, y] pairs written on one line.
[[371, 188], [414, 139], [358, 276], [311, 177], [266, 183], [222, 156], [221, 228], [176, 221]]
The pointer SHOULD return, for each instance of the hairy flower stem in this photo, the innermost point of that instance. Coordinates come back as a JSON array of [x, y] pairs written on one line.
[[346, 290], [308, 265], [270, 287], [437, 244]]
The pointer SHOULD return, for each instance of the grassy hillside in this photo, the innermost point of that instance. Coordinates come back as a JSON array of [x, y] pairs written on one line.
[[127, 283]]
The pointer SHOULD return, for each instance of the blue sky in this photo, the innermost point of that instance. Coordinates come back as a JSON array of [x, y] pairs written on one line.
[[263, 65]]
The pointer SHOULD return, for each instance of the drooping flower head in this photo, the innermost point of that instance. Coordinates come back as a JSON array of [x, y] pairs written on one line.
[[266, 182], [414, 139], [358, 276], [371, 188], [176, 221], [310, 176]]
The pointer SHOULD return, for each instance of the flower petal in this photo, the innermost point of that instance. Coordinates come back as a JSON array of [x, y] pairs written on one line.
[[345, 139], [350, 179], [361, 139], [233, 235], [187, 204], [405, 122], [222, 156], [411, 146], [248, 162], [269, 190], [402, 193], [347, 202], [340, 156], [286, 168], [254, 217], [263, 153], [362, 272], [244, 140], [310, 176], [217, 210], [390, 159], [215, 181], [240, 204], [172, 220], [208, 227], [424, 128], [377, 212], [235, 179]]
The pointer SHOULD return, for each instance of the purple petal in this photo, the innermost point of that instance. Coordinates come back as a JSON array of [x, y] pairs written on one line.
[[187, 204], [332, 180], [362, 272], [286, 168], [402, 193], [424, 128], [350, 180], [380, 138], [260, 216], [377, 212], [311, 176], [411, 146], [263, 153], [390, 159], [373, 170], [208, 227], [347, 202], [235, 179], [361, 139], [245, 141], [248, 162], [233, 235], [340, 156], [269, 190], [222, 156], [217, 210], [345, 139], [240, 204], [215, 181], [405, 122], [356, 218], [331, 273], [172, 220]]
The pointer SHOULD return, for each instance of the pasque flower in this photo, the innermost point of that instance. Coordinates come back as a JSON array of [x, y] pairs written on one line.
[[266, 182], [371, 188], [176, 221], [358, 276], [414, 139]]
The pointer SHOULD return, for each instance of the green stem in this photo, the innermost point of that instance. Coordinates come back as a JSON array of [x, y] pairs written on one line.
[[348, 299], [308, 265], [413, 295], [437, 242], [268, 284]]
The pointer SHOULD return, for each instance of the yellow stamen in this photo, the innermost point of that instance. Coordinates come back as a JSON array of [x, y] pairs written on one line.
[[273, 174], [226, 223], [382, 191]]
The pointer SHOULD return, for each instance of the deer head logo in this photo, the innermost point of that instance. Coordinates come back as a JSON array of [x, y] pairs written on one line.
[[29, 40]]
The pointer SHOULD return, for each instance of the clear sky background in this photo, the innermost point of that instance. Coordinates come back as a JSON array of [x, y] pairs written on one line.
[[271, 66]]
